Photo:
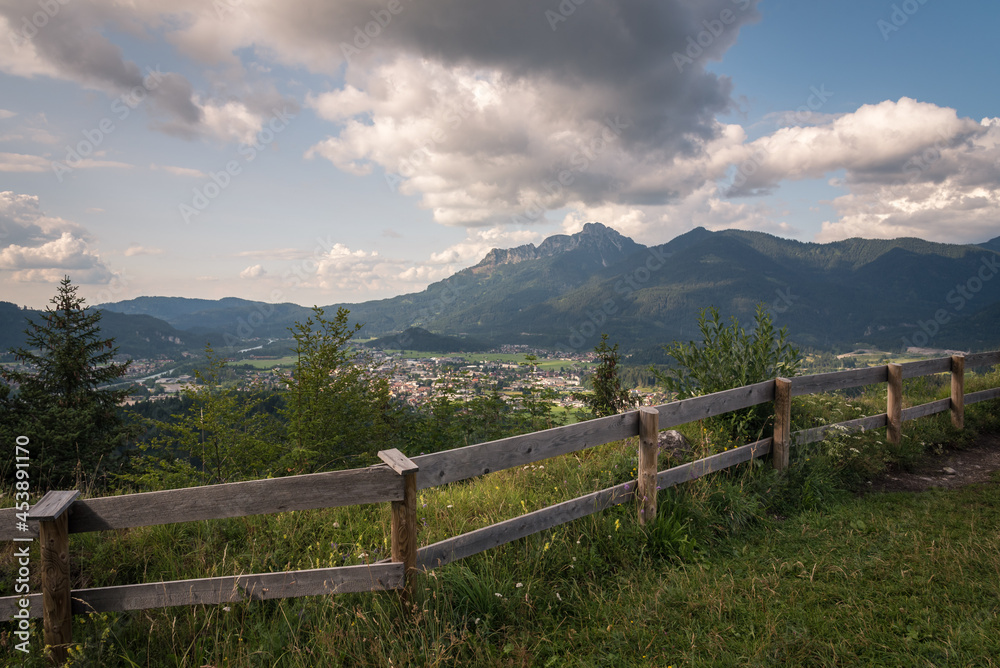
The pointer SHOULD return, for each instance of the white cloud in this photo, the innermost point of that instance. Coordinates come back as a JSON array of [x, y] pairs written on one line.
[[253, 271], [180, 171], [479, 242], [36, 247], [5, 113], [138, 249], [20, 162]]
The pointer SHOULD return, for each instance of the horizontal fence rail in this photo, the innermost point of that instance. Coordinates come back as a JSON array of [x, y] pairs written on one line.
[[396, 481], [234, 499]]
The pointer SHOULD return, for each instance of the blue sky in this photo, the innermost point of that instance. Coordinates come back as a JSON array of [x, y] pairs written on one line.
[[272, 150]]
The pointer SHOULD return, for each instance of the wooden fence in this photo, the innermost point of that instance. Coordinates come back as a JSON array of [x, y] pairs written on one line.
[[60, 513]]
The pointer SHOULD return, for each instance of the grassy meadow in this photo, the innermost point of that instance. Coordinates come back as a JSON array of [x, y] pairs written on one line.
[[742, 567]]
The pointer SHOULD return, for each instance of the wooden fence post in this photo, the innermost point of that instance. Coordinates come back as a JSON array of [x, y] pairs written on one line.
[[52, 514], [404, 517], [781, 442], [958, 391], [894, 404], [649, 446]]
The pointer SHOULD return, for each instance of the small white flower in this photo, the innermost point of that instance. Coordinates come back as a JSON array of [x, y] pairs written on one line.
[[226, 608], [519, 585], [451, 505], [498, 594], [558, 596]]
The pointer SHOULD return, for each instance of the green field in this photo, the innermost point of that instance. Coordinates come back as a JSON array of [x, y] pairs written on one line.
[[287, 361], [743, 567]]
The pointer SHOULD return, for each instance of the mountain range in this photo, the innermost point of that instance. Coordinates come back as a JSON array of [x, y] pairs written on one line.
[[569, 289]]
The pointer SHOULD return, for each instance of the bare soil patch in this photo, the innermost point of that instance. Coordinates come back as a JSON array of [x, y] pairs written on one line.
[[949, 470]]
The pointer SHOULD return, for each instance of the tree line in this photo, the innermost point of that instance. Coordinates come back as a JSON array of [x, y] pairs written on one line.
[[335, 410]]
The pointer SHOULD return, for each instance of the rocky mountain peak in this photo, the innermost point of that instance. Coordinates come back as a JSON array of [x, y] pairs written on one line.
[[594, 237]]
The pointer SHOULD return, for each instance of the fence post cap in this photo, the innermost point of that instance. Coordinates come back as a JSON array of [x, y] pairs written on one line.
[[53, 505], [398, 462]]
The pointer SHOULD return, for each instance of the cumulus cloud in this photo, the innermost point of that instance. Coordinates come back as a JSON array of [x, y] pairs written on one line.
[[479, 242], [911, 169], [253, 271], [71, 45], [36, 247]]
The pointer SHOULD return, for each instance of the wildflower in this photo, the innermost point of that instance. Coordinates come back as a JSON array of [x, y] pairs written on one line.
[[451, 505], [498, 594], [546, 548], [519, 585], [618, 525]]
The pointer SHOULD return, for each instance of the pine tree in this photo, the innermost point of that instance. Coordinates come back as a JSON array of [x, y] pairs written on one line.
[[338, 410], [608, 397], [57, 402]]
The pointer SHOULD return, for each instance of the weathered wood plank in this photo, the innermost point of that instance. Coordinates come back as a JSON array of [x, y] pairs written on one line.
[[238, 499], [404, 530], [983, 359], [648, 465], [397, 461], [982, 395], [819, 433], [958, 391], [440, 468], [926, 367], [8, 526], [52, 505], [782, 423], [699, 408], [923, 410], [480, 540], [838, 380], [894, 404], [723, 460], [57, 618], [9, 605], [231, 589]]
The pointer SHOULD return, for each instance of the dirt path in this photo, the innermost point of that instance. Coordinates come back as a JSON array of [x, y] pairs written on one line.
[[954, 468]]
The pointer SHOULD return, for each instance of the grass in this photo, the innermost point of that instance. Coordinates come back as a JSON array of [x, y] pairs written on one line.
[[744, 567]]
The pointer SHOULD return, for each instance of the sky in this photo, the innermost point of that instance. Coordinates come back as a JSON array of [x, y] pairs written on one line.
[[320, 152]]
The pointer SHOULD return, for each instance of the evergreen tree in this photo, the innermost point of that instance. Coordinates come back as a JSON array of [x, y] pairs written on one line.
[[339, 412], [608, 396], [73, 425]]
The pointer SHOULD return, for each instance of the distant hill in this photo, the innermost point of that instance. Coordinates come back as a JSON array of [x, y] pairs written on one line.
[[419, 339], [135, 335], [569, 289]]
